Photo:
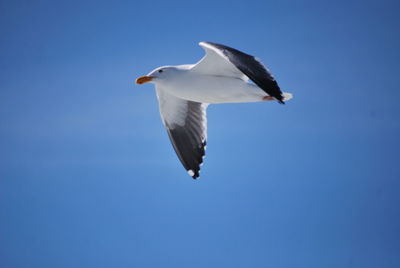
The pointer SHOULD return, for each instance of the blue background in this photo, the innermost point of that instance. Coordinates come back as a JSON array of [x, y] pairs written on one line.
[[88, 177]]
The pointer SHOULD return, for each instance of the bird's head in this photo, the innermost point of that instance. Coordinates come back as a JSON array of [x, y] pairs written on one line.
[[157, 75]]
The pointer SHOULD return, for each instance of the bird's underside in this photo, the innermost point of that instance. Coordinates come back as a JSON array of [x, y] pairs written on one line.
[[213, 89], [223, 75]]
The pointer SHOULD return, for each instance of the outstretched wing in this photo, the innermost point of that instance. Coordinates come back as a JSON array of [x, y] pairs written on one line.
[[227, 61], [186, 124]]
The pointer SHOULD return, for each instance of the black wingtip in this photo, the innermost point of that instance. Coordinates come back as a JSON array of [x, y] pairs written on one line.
[[281, 101], [194, 173]]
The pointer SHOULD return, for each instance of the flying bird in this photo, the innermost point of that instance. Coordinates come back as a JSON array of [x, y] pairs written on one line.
[[223, 75]]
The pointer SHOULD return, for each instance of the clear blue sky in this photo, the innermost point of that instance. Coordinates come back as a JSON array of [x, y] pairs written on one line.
[[88, 177]]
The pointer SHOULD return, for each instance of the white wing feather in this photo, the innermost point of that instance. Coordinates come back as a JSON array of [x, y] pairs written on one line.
[[217, 64]]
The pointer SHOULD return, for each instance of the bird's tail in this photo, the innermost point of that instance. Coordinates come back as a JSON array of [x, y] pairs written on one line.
[[287, 96]]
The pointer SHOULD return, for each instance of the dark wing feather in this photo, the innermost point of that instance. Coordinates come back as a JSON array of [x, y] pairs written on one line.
[[186, 125], [251, 67]]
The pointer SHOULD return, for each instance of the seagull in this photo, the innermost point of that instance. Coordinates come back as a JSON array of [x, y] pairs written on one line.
[[223, 75]]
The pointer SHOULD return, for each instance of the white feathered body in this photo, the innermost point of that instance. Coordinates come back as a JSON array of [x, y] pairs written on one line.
[[211, 88]]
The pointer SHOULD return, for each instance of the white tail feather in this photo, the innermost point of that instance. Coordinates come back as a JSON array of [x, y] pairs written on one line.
[[287, 96]]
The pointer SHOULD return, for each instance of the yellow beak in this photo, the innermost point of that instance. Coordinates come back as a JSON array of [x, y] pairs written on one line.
[[143, 79]]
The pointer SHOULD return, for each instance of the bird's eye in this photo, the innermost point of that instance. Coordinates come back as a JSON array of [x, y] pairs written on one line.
[[160, 71]]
